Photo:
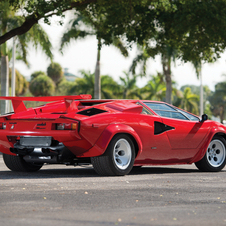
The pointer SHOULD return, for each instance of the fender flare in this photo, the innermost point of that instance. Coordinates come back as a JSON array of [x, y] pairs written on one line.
[[202, 150], [110, 131]]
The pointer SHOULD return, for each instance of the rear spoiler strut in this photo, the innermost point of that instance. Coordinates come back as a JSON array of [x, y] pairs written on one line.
[[18, 104]]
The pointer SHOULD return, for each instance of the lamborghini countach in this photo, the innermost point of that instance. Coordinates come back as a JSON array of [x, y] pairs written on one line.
[[112, 135]]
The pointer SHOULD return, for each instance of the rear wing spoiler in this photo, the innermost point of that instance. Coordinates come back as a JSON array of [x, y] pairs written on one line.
[[18, 104]]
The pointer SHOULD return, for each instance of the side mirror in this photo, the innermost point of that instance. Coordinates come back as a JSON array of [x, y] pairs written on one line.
[[204, 118]]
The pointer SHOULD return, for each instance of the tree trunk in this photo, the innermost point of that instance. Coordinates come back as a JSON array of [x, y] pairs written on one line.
[[222, 114], [97, 85], [166, 64], [13, 78], [4, 83], [201, 95]]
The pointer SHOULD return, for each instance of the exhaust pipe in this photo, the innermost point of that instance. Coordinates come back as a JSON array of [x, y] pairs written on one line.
[[40, 159]]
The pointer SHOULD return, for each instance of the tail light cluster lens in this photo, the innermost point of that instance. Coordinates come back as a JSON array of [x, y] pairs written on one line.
[[66, 126], [2, 125]]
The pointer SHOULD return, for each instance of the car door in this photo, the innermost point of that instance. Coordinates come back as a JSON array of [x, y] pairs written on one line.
[[153, 136], [186, 134]]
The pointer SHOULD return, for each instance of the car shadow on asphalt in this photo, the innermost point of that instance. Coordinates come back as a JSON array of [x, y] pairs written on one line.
[[161, 170], [88, 172]]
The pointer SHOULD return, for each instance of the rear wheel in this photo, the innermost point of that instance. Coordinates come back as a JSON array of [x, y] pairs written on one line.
[[17, 163], [118, 159], [215, 157]]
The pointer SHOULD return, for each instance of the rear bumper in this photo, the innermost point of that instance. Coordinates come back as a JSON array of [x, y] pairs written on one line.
[[60, 139]]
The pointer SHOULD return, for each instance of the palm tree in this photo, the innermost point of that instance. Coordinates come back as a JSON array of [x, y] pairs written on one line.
[[129, 90], [84, 25], [168, 55], [4, 56], [109, 88], [155, 88], [85, 85], [188, 101], [141, 59], [37, 36], [198, 68]]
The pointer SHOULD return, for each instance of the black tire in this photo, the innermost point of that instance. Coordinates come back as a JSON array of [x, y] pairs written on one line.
[[115, 162], [18, 164], [215, 158]]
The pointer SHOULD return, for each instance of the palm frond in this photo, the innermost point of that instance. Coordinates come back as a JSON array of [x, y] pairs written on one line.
[[73, 34], [40, 38], [119, 45]]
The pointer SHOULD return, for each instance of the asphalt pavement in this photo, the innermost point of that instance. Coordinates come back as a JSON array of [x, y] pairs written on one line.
[[157, 195]]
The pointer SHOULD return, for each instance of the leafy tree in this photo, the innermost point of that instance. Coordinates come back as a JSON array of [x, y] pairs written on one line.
[[196, 28], [169, 28], [36, 74], [192, 25], [33, 11], [64, 87], [84, 25], [42, 86], [55, 72]]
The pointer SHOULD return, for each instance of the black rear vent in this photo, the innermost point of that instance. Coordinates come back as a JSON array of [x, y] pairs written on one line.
[[91, 111]]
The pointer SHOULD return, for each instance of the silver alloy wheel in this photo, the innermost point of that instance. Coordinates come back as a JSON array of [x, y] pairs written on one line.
[[122, 154], [216, 153]]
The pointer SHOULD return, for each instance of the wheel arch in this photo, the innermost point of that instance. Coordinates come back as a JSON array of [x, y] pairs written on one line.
[[203, 148], [107, 135], [214, 160], [220, 134]]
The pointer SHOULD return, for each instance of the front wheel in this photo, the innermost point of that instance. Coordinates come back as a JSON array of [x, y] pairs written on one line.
[[215, 157], [18, 164], [118, 159]]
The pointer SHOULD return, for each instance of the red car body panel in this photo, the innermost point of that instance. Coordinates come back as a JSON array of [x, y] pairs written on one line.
[[98, 121], [108, 133]]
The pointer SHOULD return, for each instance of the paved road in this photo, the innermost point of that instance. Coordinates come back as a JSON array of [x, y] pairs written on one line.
[[60, 195]]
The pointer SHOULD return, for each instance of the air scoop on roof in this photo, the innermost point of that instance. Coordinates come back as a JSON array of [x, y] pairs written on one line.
[[91, 111]]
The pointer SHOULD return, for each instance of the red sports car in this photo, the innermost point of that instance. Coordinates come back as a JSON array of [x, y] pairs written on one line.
[[112, 135]]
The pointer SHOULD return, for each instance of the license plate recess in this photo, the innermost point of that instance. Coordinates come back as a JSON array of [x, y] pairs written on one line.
[[32, 141]]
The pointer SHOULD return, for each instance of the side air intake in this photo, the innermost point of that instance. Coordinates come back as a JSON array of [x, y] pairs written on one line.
[[91, 112]]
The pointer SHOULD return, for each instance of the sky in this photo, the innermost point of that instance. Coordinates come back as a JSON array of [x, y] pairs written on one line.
[[81, 55]]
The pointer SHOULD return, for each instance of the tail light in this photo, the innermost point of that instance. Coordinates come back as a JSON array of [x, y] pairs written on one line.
[[2, 125], [66, 126]]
